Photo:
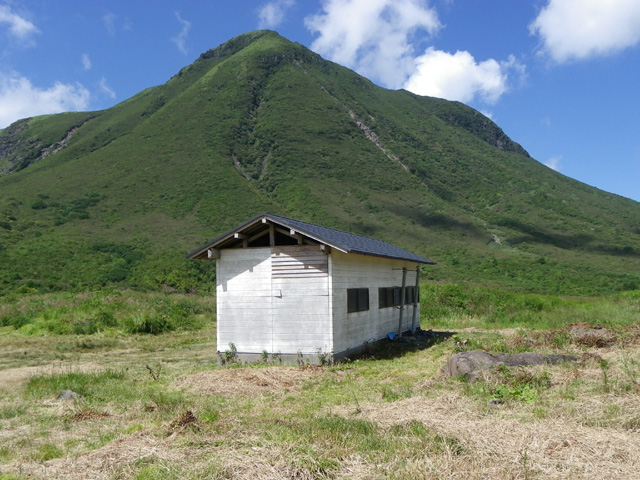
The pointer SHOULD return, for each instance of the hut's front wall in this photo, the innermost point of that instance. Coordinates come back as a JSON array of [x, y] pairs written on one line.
[[274, 299], [243, 299], [353, 271]]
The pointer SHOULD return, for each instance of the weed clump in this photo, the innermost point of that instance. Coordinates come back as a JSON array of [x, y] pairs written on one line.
[[185, 421], [504, 384]]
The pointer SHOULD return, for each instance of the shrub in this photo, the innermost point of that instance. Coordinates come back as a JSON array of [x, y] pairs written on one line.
[[149, 323], [39, 204]]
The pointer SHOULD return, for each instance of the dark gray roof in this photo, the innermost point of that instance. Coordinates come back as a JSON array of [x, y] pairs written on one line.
[[343, 241]]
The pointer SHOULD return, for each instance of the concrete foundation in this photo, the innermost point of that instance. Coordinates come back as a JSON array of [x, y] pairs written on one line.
[[320, 358]]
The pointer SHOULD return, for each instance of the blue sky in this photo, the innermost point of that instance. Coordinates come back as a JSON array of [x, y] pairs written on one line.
[[560, 77]]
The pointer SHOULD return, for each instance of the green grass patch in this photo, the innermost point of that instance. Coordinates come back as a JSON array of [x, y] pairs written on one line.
[[48, 451], [503, 384], [12, 411], [461, 306], [106, 311], [98, 385]]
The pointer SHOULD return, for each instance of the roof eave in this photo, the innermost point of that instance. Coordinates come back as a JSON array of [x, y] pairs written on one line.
[[343, 249], [200, 252], [251, 222], [424, 261], [225, 236]]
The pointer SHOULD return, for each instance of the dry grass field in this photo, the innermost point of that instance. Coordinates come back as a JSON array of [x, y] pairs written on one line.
[[159, 407]]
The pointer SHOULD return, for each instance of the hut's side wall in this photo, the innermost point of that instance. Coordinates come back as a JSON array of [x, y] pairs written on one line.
[[274, 299], [352, 330]]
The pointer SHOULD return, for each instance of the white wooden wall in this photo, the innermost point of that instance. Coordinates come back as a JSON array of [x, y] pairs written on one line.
[[274, 299], [360, 271], [244, 299]]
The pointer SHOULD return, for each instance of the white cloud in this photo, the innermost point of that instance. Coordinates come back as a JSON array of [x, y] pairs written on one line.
[[181, 38], [377, 38], [554, 163], [109, 20], [271, 14], [374, 37], [579, 29], [86, 62], [19, 28], [459, 77], [105, 88], [20, 99]]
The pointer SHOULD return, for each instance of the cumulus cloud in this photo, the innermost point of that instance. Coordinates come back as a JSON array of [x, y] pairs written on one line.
[[18, 27], [579, 29], [20, 99], [86, 62], [374, 37], [554, 163], [181, 38], [378, 39], [460, 77], [106, 89], [271, 14]]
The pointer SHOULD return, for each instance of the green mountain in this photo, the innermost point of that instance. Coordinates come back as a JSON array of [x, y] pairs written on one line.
[[263, 124]]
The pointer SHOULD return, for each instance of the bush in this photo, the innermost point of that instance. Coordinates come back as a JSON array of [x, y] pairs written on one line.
[[153, 324], [39, 204]]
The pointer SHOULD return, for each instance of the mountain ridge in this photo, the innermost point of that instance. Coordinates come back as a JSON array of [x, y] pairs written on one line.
[[260, 123]]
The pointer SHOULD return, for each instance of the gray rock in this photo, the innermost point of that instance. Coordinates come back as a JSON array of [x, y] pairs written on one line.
[[465, 363], [591, 335], [68, 395]]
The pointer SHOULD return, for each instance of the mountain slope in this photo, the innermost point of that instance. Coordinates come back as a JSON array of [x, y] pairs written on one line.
[[263, 124]]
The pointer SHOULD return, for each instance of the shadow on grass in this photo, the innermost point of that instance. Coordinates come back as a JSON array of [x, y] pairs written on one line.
[[400, 346]]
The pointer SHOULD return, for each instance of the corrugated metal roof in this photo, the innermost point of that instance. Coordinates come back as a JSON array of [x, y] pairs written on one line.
[[344, 241]]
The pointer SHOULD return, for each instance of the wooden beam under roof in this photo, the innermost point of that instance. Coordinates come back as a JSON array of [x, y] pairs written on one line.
[[244, 237], [258, 235]]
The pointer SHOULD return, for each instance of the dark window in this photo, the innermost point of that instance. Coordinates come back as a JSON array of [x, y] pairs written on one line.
[[386, 297], [409, 294], [392, 296], [397, 296], [357, 299]]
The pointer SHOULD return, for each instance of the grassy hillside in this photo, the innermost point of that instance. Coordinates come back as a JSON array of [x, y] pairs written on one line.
[[263, 124]]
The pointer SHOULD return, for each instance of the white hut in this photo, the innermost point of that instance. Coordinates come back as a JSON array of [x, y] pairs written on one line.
[[304, 292]]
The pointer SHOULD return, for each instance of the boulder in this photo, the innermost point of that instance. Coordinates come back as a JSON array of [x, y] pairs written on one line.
[[591, 335], [68, 395], [465, 363]]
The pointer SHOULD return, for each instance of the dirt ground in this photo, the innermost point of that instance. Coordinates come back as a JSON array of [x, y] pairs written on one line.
[[252, 381]]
